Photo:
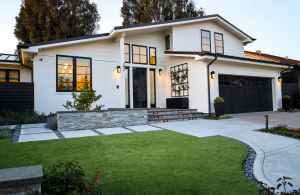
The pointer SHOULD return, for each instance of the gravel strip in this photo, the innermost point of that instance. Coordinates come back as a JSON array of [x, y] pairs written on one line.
[[16, 135], [98, 132], [129, 129], [58, 134], [248, 165]]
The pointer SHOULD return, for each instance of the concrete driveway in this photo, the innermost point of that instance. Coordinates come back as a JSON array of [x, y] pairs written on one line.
[[277, 156]]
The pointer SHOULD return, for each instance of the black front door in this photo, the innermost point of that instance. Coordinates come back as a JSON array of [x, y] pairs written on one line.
[[245, 94], [139, 87]]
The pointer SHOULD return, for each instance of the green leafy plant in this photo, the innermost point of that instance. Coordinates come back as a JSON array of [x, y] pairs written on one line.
[[296, 136], [219, 100], [212, 118], [68, 178], [283, 183], [84, 100], [225, 116], [179, 77], [286, 97]]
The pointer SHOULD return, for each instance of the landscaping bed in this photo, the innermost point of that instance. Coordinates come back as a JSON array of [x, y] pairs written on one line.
[[225, 116], [283, 130], [156, 162]]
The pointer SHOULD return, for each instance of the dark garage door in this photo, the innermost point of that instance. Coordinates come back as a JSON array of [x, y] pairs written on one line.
[[245, 94]]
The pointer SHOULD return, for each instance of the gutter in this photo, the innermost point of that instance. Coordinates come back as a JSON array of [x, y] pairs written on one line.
[[208, 82]]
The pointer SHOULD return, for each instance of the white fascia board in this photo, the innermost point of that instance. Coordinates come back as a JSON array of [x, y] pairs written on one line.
[[31, 49], [11, 63], [246, 62], [182, 55]]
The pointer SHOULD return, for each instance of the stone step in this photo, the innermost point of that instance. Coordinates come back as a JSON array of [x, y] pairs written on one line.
[[175, 115], [157, 120], [170, 111]]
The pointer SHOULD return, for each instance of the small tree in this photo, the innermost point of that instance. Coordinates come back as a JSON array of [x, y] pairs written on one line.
[[84, 100]]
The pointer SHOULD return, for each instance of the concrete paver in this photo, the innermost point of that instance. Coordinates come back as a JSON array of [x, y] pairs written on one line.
[[79, 133], [38, 125], [117, 130], [35, 130], [37, 137], [141, 128]]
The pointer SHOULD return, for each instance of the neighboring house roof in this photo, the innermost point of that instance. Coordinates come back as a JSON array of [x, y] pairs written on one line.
[[267, 57], [9, 58], [225, 56], [217, 18]]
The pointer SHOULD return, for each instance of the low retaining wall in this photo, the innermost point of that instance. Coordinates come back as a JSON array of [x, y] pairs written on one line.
[[21, 181], [93, 119]]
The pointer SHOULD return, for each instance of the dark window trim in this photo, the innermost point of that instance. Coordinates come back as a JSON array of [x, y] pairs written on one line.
[[139, 54], [150, 56], [209, 40], [222, 42], [128, 106], [168, 45], [153, 105], [7, 75], [128, 53], [74, 72]]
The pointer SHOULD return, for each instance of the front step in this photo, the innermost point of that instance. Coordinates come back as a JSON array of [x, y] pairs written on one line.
[[175, 115], [170, 111], [174, 119]]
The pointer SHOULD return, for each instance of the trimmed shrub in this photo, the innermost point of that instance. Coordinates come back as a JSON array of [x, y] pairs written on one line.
[[296, 136], [51, 123], [5, 132], [219, 100], [68, 178], [286, 97], [285, 133], [263, 130]]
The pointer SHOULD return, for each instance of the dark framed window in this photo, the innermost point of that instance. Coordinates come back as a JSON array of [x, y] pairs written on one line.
[[72, 72], [219, 43], [139, 54], [205, 40], [9, 76], [152, 55], [167, 42], [127, 52]]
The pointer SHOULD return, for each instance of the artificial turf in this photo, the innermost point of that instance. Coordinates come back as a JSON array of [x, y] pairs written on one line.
[[156, 162]]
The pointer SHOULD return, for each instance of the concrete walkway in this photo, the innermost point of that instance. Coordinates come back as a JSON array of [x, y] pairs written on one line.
[[277, 156]]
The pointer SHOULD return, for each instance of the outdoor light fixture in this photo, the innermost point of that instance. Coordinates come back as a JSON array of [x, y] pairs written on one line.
[[191, 119], [155, 112], [160, 116], [179, 111], [160, 72], [118, 69], [165, 121], [279, 79], [212, 74]]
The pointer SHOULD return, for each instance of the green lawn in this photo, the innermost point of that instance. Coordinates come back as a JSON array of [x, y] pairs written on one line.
[[156, 162]]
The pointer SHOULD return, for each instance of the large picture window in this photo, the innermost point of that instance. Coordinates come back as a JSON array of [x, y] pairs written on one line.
[[127, 53], [139, 54], [152, 54], [205, 38], [219, 43], [72, 73], [11, 76]]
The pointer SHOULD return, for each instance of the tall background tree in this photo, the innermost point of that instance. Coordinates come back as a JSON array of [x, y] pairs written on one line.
[[46, 20], [147, 11]]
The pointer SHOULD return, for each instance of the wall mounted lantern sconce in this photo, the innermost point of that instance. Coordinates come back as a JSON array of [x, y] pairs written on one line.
[[118, 69], [160, 72], [279, 79], [212, 74]]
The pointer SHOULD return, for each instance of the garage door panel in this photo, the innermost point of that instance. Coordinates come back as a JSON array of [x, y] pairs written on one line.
[[238, 97], [253, 99], [245, 94], [226, 95]]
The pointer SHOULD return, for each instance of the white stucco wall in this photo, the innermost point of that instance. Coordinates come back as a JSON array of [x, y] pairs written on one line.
[[25, 73], [188, 38]]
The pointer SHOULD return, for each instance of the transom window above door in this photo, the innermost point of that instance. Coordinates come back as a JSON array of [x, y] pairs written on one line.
[[11, 76], [139, 54], [72, 73]]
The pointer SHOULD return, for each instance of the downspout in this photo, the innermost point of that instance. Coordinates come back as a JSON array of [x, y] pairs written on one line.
[[208, 81], [20, 57]]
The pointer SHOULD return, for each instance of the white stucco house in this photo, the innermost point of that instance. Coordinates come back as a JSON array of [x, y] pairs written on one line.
[[137, 66]]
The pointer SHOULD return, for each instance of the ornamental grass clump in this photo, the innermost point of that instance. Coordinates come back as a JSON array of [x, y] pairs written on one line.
[[51, 123], [68, 178]]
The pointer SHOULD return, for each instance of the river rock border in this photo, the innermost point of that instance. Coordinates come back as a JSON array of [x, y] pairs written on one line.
[[248, 165], [16, 135]]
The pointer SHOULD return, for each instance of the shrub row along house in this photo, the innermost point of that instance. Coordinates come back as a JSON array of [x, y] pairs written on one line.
[[184, 63]]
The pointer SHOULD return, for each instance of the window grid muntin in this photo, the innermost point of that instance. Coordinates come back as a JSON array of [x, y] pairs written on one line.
[[7, 77], [217, 42], [74, 81], [139, 54], [127, 45], [205, 37]]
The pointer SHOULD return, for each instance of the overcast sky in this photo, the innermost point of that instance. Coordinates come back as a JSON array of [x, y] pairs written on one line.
[[274, 23]]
